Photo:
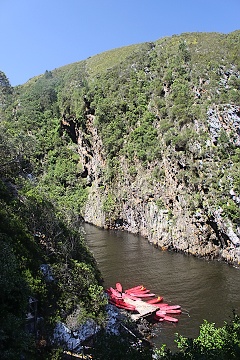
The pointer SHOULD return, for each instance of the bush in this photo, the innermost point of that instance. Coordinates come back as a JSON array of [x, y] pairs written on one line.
[[212, 343]]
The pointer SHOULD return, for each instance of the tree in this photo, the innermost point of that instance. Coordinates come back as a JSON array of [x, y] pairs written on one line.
[[213, 343]]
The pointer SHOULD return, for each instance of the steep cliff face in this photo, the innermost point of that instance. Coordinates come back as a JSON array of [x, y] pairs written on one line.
[[160, 148], [162, 210], [164, 142], [92, 157]]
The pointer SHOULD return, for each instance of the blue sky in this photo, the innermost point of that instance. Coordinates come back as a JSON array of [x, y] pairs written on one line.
[[39, 35]]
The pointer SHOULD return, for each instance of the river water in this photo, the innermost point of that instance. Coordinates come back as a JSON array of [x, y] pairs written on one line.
[[205, 289]]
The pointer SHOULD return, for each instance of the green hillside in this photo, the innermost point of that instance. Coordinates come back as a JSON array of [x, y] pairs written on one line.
[[152, 127], [145, 99]]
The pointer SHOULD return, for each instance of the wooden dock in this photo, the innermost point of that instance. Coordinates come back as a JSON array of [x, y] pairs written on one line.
[[144, 309]]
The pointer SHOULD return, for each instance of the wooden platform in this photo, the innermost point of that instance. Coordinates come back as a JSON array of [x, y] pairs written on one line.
[[144, 309]]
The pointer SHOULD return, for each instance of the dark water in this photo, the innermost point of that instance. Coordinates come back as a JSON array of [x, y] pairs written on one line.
[[205, 290]]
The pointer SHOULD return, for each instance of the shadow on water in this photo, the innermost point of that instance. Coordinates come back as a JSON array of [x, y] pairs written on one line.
[[205, 289]]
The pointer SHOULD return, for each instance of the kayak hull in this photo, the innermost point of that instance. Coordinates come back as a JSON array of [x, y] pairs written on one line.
[[114, 293], [139, 287], [122, 304], [119, 287], [139, 295], [160, 313], [176, 312], [155, 301], [170, 319], [146, 291], [169, 307], [165, 318], [128, 296]]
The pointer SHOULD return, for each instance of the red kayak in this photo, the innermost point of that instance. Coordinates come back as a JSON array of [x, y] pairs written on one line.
[[160, 313], [119, 287], [112, 292], [170, 318], [122, 304], [138, 291], [169, 307], [128, 296], [170, 311], [140, 295], [155, 301], [158, 305], [139, 287], [165, 318]]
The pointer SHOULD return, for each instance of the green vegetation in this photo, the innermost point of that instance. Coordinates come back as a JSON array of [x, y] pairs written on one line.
[[212, 343], [145, 99], [32, 233], [173, 102], [107, 60], [38, 232]]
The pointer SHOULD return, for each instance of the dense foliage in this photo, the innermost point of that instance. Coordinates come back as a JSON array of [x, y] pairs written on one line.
[[34, 235], [46, 270], [212, 343]]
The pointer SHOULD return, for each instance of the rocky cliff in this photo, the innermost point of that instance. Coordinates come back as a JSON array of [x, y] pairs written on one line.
[[162, 210], [181, 198]]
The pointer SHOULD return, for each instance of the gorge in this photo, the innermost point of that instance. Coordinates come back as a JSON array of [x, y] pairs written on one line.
[[143, 139]]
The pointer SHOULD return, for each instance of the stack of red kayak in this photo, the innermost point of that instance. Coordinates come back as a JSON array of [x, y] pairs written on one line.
[[164, 311], [139, 292], [116, 299], [117, 296]]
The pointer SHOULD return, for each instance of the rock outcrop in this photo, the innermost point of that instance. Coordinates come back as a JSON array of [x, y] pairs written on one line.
[[160, 210]]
